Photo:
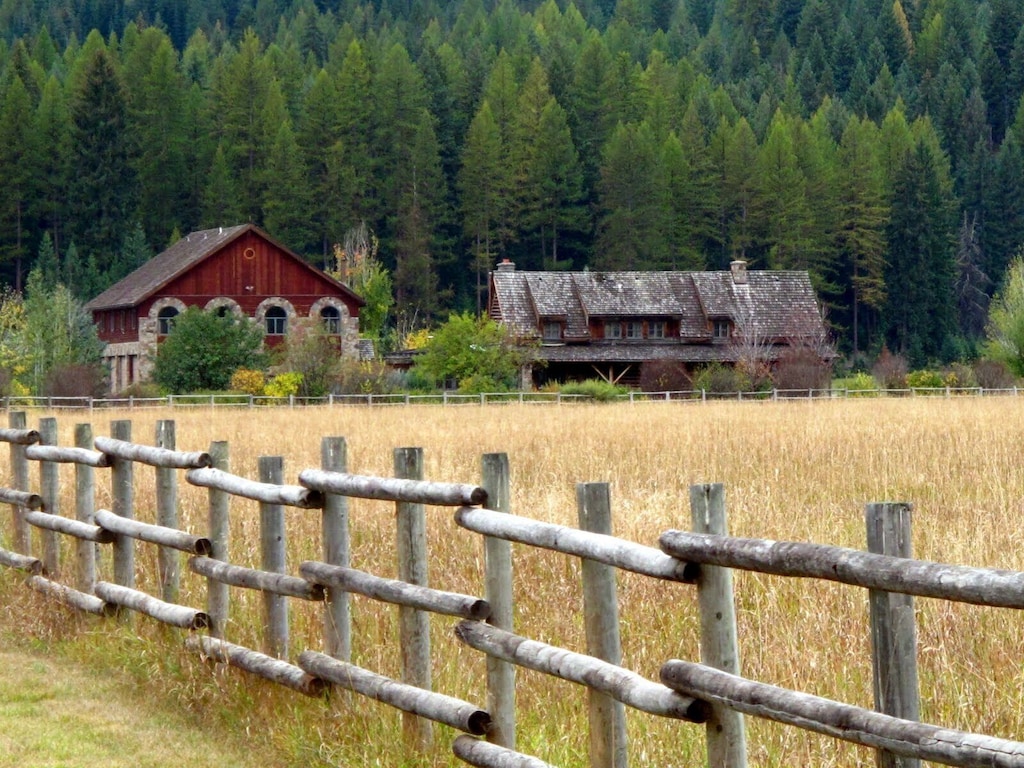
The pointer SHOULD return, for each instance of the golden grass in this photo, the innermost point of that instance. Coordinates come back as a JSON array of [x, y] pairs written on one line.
[[792, 471]]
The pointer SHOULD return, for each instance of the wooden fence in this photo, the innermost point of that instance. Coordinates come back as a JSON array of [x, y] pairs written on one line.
[[710, 692], [235, 400]]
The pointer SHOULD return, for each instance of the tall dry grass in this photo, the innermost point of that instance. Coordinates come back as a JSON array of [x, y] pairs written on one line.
[[792, 471]]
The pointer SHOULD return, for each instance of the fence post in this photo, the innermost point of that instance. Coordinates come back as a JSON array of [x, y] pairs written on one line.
[[719, 647], [893, 630], [334, 521], [122, 492], [217, 593], [501, 676], [49, 481], [22, 540], [167, 512], [85, 499], [607, 716], [272, 549], [412, 568]]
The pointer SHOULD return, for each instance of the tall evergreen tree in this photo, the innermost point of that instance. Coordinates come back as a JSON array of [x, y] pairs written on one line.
[[863, 214], [19, 168], [920, 269], [633, 227], [103, 187], [484, 184]]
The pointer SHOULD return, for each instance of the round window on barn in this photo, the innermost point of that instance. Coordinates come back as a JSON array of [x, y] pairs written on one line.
[[165, 320], [277, 321], [331, 317]]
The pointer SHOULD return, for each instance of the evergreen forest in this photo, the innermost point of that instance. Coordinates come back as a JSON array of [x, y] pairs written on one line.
[[878, 144]]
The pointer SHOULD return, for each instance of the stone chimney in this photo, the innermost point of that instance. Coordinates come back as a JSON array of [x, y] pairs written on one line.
[[506, 265], [739, 272]]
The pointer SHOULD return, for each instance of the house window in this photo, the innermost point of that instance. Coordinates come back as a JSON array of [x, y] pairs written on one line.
[[277, 321], [612, 329], [656, 329], [634, 329], [331, 317], [552, 331], [165, 320], [722, 329]]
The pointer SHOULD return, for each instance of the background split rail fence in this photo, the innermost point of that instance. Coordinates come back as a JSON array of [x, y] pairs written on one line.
[[710, 692]]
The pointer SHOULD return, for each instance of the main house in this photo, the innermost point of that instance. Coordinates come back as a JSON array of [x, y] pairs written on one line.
[[238, 269], [608, 324]]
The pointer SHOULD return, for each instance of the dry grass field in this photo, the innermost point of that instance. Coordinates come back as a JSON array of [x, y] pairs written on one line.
[[793, 471]]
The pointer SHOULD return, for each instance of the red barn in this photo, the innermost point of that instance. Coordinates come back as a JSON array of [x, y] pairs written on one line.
[[231, 269]]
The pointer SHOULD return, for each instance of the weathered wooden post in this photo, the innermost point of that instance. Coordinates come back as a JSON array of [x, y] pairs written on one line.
[[167, 512], [414, 624], [123, 495], [217, 592], [501, 675], [49, 482], [719, 646], [272, 548], [85, 499], [893, 628], [22, 535], [337, 617], [608, 748]]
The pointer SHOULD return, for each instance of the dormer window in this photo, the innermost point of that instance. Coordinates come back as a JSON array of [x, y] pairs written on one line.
[[552, 331], [634, 329], [612, 329], [722, 329], [656, 329]]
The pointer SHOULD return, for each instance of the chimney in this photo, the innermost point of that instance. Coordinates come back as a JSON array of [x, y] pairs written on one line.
[[739, 272], [506, 265]]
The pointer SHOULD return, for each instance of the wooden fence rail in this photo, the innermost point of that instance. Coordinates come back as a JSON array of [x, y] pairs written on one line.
[[711, 692]]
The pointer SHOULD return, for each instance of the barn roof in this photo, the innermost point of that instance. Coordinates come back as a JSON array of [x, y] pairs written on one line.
[[182, 256], [781, 304]]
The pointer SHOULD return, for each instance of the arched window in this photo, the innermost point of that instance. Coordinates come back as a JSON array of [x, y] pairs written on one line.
[[165, 320], [277, 321], [331, 317]]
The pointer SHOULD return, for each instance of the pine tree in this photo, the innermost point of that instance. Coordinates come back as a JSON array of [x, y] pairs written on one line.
[[286, 201], [863, 215], [156, 120], [484, 186], [782, 187], [19, 168], [919, 312], [52, 127], [103, 187], [633, 228]]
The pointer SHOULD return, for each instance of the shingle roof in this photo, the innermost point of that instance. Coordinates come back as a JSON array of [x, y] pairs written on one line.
[[781, 304], [176, 260], [165, 266]]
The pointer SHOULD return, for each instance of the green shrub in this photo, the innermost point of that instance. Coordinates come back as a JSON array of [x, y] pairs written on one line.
[[858, 383], [247, 380], [721, 379], [283, 385], [926, 379], [594, 389]]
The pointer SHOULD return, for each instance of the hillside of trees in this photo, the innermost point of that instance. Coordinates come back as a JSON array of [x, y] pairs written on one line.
[[878, 144]]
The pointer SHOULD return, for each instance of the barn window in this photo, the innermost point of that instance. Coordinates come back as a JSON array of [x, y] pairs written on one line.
[[722, 329], [165, 320], [634, 329], [331, 317], [277, 321], [612, 329]]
